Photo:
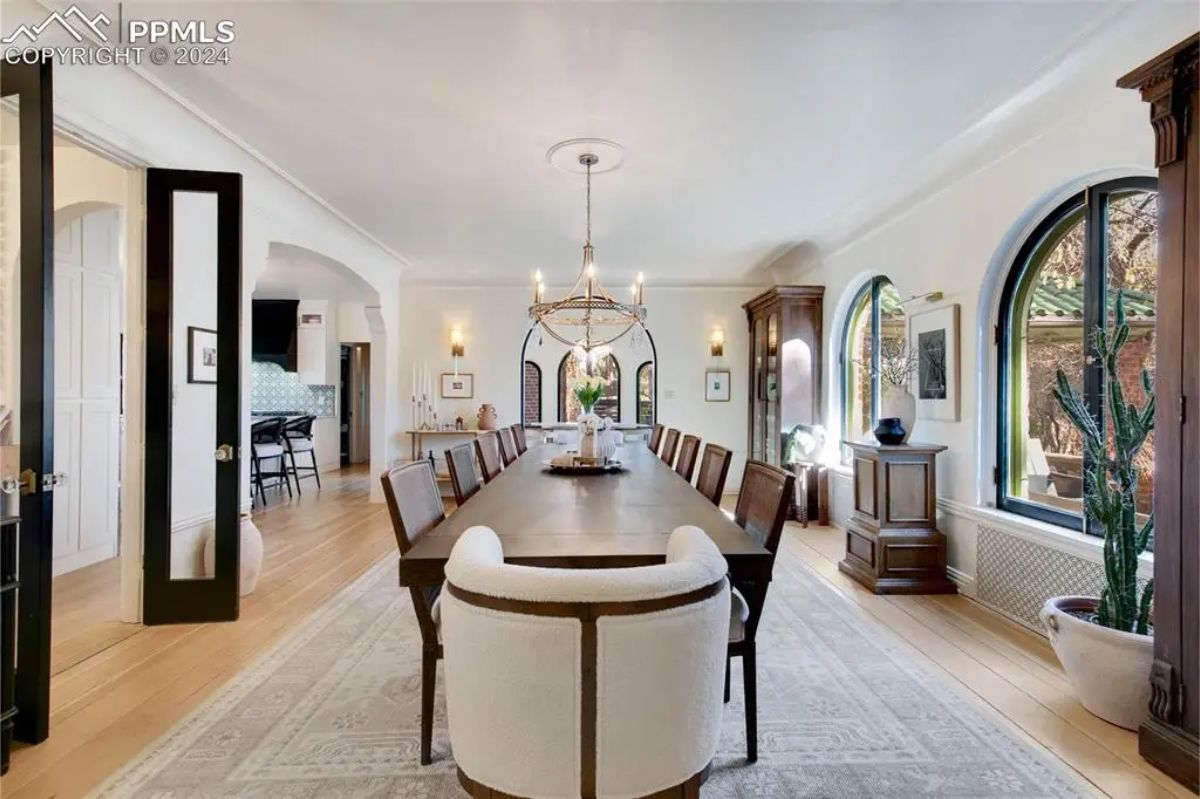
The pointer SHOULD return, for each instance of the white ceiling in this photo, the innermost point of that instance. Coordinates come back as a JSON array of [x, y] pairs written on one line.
[[749, 128]]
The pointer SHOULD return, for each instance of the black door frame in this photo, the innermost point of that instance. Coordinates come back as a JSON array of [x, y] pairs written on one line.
[[166, 600], [32, 85]]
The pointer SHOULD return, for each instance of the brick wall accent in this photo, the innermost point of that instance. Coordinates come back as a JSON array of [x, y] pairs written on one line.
[[532, 412]]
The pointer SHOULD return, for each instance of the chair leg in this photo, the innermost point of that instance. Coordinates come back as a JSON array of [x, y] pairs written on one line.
[[428, 678], [750, 687], [295, 473], [316, 472], [258, 480], [728, 662], [286, 481]]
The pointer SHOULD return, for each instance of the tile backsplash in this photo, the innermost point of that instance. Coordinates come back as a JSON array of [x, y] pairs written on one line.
[[273, 390]]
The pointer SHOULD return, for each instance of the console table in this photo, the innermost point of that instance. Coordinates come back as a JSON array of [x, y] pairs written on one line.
[[892, 542]]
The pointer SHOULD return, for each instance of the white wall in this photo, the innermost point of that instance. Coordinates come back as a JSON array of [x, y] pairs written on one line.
[[958, 238], [352, 327], [494, 322]]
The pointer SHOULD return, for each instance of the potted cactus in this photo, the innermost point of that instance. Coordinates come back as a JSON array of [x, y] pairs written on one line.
[[1106, 643]]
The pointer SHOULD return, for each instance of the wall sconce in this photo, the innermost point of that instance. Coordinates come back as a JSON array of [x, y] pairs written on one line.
[[456, 342], [716, 343]]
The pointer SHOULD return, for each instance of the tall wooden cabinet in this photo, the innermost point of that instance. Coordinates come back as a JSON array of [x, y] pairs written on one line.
[[1168, 739], [785, 366]]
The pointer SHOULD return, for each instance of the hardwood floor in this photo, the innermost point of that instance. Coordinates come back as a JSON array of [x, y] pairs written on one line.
[[107, 706], [1007, 666], [133, 687], [85, 616]]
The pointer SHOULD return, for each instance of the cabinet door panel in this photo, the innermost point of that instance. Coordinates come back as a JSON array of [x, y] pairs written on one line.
[[100, 321]]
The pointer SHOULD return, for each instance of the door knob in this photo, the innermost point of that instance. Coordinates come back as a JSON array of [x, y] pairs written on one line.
[[224, 453]]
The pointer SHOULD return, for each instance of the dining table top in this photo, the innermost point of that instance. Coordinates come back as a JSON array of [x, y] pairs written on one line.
[[604, 520]]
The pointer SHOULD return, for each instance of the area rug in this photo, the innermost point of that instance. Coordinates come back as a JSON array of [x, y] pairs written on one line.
[[844, 711]]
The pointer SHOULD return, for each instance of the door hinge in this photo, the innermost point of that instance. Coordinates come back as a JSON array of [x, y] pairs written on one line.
[[1183, 409], [996, 475]]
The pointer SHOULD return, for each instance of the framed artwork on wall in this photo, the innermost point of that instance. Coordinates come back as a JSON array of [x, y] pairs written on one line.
[[716, 385], [202, 355], [458, 386], [933, 336]]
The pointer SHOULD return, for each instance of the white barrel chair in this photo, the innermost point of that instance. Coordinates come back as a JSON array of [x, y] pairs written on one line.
[[584, 682]]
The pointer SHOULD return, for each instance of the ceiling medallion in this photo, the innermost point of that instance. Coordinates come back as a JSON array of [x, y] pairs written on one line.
[[588, 318]]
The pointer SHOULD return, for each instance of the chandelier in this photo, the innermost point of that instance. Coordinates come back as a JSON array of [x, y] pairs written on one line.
[[588, 318]]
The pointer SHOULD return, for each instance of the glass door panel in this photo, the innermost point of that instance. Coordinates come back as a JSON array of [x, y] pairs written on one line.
[[772, 431], [193, 321], [758, 344]]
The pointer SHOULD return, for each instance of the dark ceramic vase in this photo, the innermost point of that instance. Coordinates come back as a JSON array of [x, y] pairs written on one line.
[[890, 431]]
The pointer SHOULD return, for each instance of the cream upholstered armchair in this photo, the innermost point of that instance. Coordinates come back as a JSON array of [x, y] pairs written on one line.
[[574, 682]]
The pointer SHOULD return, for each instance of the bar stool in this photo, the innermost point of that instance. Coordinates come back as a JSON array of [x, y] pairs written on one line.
[[297, 435], [266, 444]]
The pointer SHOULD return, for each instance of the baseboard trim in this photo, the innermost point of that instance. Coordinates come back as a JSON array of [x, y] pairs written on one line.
[[86, 557], [964, 581]]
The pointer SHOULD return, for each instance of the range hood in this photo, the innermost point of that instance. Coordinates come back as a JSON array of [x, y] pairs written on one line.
[[273, 336]]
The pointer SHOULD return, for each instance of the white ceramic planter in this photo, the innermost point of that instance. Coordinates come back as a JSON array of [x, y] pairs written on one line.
[[251, 557], [898, 402], [1109, 669]]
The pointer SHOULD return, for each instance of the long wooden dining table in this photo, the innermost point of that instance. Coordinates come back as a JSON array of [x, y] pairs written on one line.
[[606, 520]]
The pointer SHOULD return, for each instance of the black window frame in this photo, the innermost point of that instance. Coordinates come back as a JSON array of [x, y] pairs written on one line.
[[637, 393], [870, 291], [540, 378], [562, 387], [1093, 201]]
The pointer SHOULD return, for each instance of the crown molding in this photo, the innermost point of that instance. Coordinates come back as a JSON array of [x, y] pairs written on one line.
[[232, 137]]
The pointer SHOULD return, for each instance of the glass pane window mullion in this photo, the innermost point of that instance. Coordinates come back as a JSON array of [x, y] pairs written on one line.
[[875, 355], [1095, 247]]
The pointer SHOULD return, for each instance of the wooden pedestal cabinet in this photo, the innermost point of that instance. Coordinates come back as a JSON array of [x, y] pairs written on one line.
[[1168, 739], [892, 542]]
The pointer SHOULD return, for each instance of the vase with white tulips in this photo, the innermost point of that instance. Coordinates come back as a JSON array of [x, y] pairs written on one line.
[[595, 443]]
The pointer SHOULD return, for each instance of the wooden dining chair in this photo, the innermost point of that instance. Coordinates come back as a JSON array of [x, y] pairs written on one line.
[[670, 446], [518, 432], [714, 469], [688, 450], [508, 449], [415, 505], [762, 508], [487, 450], [656, 434], [461, 460]]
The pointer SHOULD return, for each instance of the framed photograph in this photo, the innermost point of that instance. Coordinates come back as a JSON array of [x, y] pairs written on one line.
[[202, 355], [716, 385], [458, 386], [933, 336]]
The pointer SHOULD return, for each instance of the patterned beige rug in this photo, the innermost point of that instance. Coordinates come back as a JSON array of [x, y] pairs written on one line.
[[844, 711]]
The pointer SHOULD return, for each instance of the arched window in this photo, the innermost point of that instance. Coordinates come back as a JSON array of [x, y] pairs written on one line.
[[532, 394], [875, 322], [570, 368], [1063, 285], [645, 393]]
